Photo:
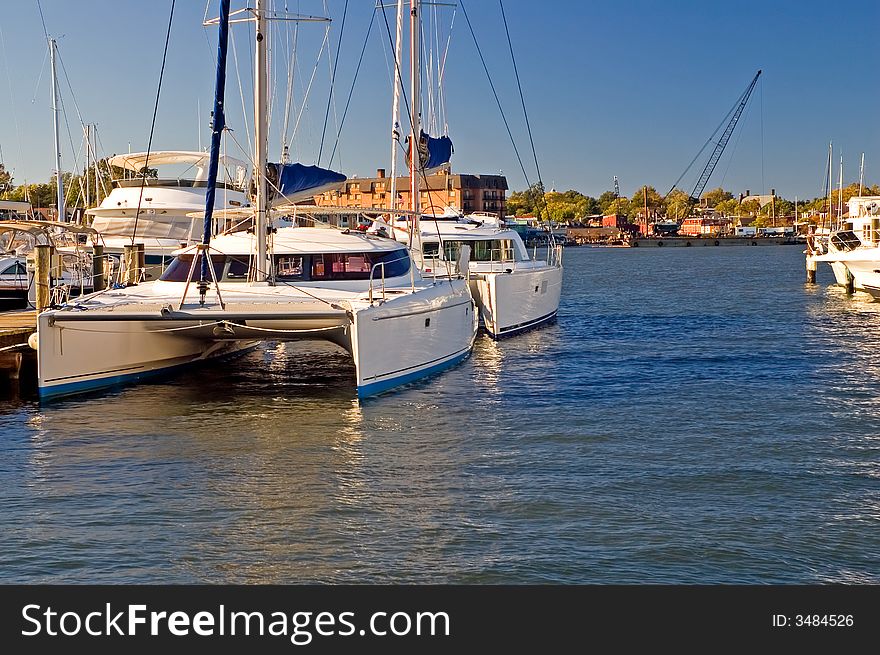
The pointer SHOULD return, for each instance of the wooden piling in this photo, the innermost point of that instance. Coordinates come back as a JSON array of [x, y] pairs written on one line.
[[99, 282], [130, 261], [812, 264], [42, 281]]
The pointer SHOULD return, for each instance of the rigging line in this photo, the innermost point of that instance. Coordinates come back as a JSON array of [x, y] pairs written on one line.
[[332, 79], [291, 67], [324, 44], [247, 129], [494, 92], [70, 87], [351, 90], [43, 20], [420, 168], [443, 71], [736, 143], [40, 76], [153, 124], [11, 96], [521, 96]]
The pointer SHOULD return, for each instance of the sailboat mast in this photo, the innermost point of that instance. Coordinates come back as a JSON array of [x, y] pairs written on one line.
[[261, 140], [415, 136], [395, 104], [830, 183], [59, 184], [840, 194], [861, 175]]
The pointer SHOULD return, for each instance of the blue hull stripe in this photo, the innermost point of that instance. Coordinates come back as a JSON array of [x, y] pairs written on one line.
[[55, 391], [374, 388], [517, 329]]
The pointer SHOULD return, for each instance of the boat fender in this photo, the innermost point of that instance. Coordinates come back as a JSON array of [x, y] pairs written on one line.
[[717, 243], [659, 244], [34, 341]]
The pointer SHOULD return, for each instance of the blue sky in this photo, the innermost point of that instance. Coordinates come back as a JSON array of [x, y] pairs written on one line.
[[629, 88]]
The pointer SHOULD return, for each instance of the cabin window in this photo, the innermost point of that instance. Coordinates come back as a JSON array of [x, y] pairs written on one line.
[[238, 269], [494, 250], [177, 270], [431, 249], [16, 269], [289, 267], [357, 266]]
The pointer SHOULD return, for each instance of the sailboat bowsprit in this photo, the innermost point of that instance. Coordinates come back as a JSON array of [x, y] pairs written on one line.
[[230, 292]]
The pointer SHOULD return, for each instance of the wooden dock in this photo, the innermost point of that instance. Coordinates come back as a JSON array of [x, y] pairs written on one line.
[[15, 328]]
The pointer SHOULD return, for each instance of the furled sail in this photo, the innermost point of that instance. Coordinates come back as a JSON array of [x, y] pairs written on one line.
[[297, 182], [434, 152]]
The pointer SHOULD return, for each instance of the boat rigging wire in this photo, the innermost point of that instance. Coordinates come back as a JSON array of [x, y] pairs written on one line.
[[332, 80], [153, 123], [521, 96], [351, 90], [494, 92]]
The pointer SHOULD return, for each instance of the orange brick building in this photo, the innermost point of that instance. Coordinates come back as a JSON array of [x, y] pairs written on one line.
[[469, 193]]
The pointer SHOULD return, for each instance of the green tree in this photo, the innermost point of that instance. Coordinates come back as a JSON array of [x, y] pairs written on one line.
[[5, 179], [750, 208], [655, 201], [530, 201], [716, 196], [678, 204], [728, 207]]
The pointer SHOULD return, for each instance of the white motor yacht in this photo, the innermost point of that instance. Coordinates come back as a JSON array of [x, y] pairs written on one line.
[[155, 210]]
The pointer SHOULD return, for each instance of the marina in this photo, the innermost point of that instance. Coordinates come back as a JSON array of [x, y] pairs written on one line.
[[699, 433], [400, 317]]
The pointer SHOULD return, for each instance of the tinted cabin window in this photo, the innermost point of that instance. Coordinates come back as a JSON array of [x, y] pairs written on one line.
[[177, 270], [238, 268], [15, 269], [495, 250], [431, 249], [357, 266]]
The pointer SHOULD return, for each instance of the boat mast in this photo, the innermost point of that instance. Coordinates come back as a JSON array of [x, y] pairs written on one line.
[[395, 104], [59, 184], [840, 194], [861, 174], [415, 135], [261, 141], [830, 183]]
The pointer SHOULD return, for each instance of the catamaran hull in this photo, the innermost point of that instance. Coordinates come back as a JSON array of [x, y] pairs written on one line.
[[79, 356], [404, 340], [511, 303]]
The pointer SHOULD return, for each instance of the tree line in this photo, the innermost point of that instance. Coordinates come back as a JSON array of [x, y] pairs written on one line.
[[43, 194], [573, 206]]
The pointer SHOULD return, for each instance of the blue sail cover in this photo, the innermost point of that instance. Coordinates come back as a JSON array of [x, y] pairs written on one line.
[[434, 152], [297, 182]]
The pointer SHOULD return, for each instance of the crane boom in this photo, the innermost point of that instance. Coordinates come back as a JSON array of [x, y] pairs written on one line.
[[721, 144]]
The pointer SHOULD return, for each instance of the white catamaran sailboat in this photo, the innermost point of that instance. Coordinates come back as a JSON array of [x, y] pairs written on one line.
[[227, 294]]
